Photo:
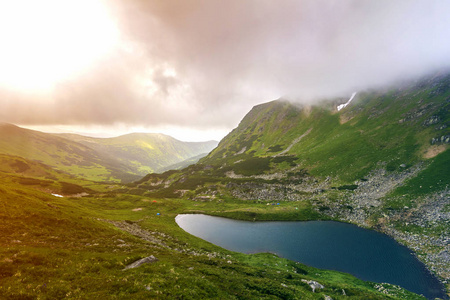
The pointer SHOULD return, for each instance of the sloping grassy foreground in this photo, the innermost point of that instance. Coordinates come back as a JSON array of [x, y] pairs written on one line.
[[72, 248]]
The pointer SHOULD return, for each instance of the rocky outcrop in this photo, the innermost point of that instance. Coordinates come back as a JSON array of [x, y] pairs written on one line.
[[136, 230], [429, 213], [444, 139], [378, 184], [293, 143], [275, 187], [275, 191], [313, 284], [416, 113], [160, 239], [138, 263], [431, 120]]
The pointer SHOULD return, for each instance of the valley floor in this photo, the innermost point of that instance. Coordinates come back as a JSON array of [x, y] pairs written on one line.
[[77, 248]]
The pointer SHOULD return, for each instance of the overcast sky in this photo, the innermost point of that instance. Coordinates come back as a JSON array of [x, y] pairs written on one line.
[[194, 68]]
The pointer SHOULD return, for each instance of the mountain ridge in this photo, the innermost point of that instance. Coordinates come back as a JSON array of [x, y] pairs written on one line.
[[127, 159], [145, 152], [381, 162]]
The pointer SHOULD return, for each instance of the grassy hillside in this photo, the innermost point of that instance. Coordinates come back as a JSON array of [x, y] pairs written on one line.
[[381, 162], [392, 128], [400, 131], [185, 163], [124, 158], [59, 153], [77, 248], [145, 152]]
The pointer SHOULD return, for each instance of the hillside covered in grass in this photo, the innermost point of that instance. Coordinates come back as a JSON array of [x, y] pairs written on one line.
[[78, 248], [397, 127], [145, 152], [125, 158], [380, 162], [403, 130], [59, 153]]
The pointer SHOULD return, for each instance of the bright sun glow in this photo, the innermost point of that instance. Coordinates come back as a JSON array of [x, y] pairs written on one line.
[[47, 41]]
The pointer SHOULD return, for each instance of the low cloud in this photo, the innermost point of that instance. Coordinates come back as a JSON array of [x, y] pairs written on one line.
[[205, 63]]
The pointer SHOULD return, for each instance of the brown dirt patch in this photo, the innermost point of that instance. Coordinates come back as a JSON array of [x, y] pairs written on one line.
[[434, 150]]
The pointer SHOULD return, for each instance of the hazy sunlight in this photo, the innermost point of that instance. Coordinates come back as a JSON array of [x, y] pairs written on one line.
[[43, 42]]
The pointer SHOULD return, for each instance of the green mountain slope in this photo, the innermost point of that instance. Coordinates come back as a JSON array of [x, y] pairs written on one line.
[[125, 158], [393, 128], [62, 154], [145, 152], [78, 248], [185, 163], [380, 162], [19, 166]]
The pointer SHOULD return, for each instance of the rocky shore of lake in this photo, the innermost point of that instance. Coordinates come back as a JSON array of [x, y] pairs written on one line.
[[423, 226]]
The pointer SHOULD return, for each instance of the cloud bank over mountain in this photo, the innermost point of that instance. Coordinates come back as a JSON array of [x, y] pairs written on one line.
[[205, 63]]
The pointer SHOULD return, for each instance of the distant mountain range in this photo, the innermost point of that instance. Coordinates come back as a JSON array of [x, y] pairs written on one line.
[[124, 158], [146, 152]]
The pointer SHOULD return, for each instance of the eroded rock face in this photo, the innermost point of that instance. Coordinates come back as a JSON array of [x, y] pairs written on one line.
[[138, 263]]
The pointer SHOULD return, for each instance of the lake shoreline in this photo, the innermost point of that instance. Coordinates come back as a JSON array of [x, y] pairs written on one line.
[[400, 237], [246, 216]]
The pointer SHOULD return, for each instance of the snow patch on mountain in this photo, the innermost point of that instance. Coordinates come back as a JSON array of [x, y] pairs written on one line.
[[347, 103]]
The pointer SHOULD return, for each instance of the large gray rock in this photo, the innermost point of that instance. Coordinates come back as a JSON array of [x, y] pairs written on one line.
[[138, 263], [313, 284]]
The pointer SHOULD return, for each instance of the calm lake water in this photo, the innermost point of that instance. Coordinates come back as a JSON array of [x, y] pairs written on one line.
[[366, 254]]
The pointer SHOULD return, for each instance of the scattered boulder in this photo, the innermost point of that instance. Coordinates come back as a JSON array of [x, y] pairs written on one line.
[[313, 284], [138, 263], [441, 140], [431, 120]]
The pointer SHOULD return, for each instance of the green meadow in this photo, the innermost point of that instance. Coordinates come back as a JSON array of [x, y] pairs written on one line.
[[77, 248]]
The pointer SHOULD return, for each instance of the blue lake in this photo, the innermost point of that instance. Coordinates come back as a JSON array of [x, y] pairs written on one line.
[[366, 254]]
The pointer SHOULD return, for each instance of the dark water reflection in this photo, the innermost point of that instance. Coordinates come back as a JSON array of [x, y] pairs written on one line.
[[366, 254]]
